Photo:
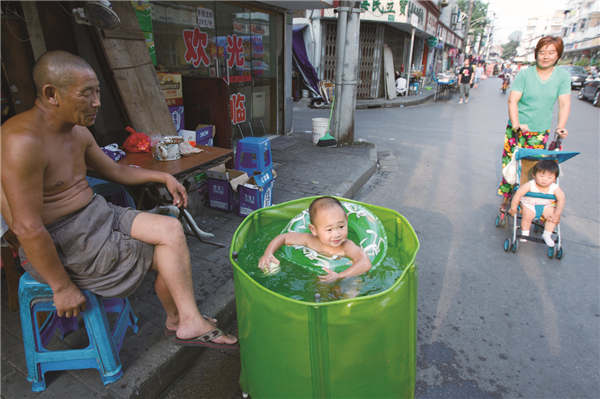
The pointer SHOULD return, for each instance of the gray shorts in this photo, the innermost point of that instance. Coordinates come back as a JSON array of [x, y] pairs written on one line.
[[96, 249]]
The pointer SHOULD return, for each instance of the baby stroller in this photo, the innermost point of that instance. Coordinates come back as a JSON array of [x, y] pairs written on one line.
[[526, 158]]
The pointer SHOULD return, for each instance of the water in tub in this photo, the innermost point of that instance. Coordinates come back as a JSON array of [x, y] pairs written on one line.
[[295, 282]]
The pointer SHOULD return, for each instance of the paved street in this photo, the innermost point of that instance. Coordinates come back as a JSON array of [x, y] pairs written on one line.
[[490, 324]]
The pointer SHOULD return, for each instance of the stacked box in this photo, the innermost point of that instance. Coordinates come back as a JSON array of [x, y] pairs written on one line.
[[256, 193], [222, 185], [253, 156]]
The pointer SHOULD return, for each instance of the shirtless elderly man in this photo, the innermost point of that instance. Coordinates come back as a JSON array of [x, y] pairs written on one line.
[[73, 239]]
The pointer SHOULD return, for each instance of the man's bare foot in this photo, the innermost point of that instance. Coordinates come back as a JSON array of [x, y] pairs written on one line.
[[203, 327], [171, 325]]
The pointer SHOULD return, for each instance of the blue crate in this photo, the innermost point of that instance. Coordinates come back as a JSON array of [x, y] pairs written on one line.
[[253, 154]]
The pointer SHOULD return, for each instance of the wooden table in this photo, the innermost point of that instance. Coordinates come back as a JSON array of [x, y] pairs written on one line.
[[151, 195], [209, 157], [155, 196]]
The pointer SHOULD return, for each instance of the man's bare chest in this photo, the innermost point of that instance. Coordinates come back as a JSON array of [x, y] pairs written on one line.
[[65, 165]]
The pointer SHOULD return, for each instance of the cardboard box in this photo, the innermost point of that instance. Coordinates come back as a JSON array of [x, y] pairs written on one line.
[[205, 134], [257, 192], [171, 87], [188, 135], [222, 185]]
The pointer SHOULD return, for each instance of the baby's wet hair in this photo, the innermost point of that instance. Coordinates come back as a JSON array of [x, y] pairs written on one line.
[[547, 165], [321, 203]]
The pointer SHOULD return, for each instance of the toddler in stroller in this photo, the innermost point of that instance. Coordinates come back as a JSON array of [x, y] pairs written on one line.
[[539, 198], [545, 173]]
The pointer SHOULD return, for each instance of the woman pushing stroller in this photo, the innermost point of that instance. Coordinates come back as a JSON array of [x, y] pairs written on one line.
[[533, 94]]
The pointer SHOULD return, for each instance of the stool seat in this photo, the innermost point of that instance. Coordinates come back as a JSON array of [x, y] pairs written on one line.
[[253, 154], [102, 352]]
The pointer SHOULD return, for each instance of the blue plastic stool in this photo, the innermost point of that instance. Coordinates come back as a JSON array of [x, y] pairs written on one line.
[[253, 154], [102, 353]]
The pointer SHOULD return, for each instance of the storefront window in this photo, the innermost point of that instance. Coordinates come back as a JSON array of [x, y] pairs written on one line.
[[242, 46]]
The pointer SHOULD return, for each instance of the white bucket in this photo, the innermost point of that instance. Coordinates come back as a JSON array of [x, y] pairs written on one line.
[[319, 128]]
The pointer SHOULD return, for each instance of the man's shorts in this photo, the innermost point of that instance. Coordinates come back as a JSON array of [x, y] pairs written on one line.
[[96, 249]]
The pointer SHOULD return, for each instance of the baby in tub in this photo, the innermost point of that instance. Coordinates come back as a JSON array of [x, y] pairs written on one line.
[[328, 236]]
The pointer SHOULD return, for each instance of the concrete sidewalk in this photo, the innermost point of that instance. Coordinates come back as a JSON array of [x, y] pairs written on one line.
[[150, 361]]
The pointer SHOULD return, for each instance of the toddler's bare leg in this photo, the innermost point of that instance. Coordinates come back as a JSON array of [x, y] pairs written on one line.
[[526, 218], [548, 226]]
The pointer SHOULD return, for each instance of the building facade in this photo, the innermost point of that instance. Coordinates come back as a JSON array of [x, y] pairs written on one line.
[[581, 31], [386, 28]]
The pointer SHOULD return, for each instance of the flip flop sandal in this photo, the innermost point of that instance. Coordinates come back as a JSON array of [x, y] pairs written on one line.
[[206, 341], [169, 333]]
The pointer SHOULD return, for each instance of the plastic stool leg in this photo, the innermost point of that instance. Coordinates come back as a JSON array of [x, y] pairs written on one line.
[[97, 326]]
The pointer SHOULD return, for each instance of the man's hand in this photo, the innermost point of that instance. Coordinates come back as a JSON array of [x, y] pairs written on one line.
[[330, 277], [177, 191], [512, 211], [69, 301]]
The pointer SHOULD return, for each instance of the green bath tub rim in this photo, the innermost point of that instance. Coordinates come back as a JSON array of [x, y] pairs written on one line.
[[317, 304]]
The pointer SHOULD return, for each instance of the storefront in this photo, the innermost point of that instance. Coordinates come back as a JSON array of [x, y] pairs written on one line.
[[384, 25], [239, 45]]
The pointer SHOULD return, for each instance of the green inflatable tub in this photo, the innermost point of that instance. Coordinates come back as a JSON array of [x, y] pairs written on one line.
[[352, 348]]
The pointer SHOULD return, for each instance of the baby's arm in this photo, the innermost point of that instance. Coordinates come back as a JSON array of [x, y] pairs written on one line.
[[276, 243], [560, 205], [517, 198], [360, 263]]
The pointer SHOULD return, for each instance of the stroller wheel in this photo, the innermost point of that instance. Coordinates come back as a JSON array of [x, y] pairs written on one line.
[[506, 245], [515, 246], [559, 253], [550, 252]]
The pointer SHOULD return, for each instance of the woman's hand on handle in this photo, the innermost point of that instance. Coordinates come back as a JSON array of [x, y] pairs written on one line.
[[562, 132]]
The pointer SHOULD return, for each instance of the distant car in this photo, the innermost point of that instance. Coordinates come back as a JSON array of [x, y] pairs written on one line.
[[591, 91], [578, 75]]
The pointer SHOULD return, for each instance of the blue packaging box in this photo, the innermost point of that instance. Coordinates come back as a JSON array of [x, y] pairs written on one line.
[[205, 134], [257, 193]]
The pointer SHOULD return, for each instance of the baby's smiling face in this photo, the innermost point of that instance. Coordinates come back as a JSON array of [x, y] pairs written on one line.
[[330, 226]]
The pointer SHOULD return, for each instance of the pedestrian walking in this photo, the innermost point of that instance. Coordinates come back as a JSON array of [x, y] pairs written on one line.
[[479, 72], [465, 79]]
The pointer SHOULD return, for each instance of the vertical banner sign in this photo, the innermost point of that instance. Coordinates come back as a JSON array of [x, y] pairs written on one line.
[[235, 49], [237, 108]]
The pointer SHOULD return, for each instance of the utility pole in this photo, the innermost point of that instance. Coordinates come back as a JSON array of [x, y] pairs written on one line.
[[467, 28], [346, 74]]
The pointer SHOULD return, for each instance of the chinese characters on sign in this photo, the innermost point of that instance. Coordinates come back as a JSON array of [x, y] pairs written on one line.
[[205, 18], [377, 6], [390, 11], [237, 108], [235, 51], [195, 47]]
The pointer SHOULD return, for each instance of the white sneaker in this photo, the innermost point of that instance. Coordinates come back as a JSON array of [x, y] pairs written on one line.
[[466, 101], [461, 101]]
